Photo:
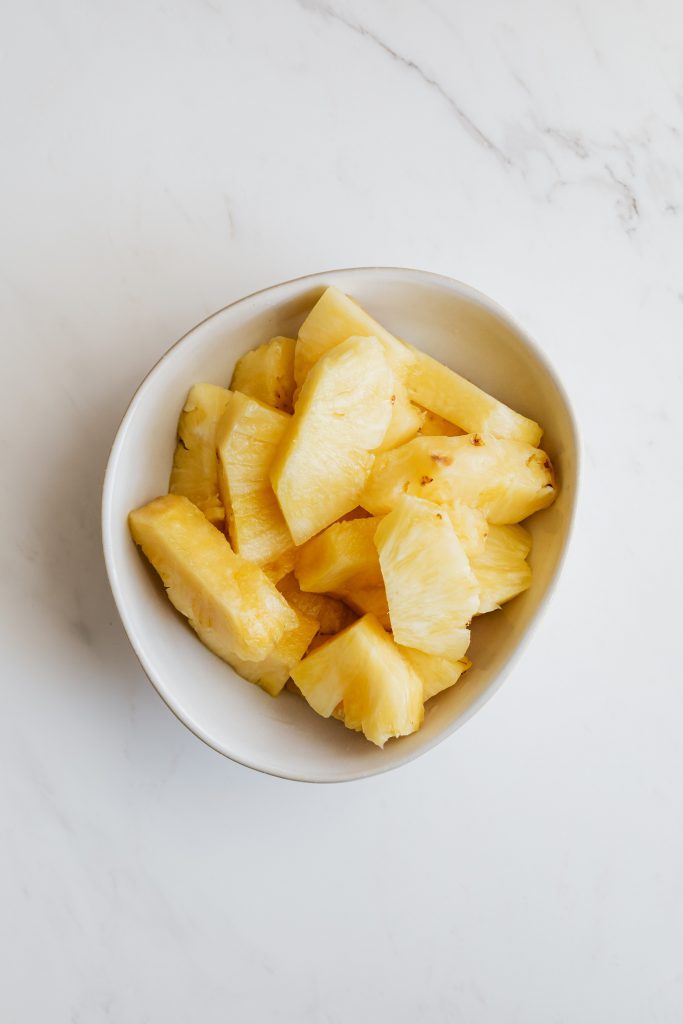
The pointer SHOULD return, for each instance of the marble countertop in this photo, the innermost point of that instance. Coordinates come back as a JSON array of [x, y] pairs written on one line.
[[162, 159]]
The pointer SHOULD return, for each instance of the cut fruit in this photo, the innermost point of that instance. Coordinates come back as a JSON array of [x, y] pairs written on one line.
[[344, 555], [437, 426], [247, 438], [325, 457], [363, 669], [195, 467], [471, 526], [406, 419], [431, 590], [446, 393], [436, 674], [334, 318], [267, 373], [332, 614], [506, 480], [502, 569], [369, 600], [274, 670], [233, 607], [280, 567]]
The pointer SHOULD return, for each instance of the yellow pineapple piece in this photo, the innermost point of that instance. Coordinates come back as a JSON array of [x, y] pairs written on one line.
[[446, 393], [363, 669], [334, 318], [436, 674], [506, 480], [437, 426], [331, 613], [195, 467], [344, 555], [406, 419], [267, 373], [368, 600], [280, 567], [325, 456], [247, 438], [502, 569], [471, 526], [431, 590], [273, 671], [232, 606]]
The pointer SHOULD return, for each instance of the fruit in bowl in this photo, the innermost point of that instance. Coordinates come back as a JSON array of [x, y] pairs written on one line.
[[344, 515]]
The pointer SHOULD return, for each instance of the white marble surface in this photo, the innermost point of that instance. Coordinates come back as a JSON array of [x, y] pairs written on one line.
[[161, 159]]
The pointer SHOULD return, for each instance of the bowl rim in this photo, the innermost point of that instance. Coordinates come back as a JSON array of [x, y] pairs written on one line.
[[465, 290]]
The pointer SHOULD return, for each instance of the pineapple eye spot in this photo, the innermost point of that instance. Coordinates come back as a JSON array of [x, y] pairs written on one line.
[[477, 441], [547, 464], [445, 460], [439, 516], [393, 399], [426, 480]]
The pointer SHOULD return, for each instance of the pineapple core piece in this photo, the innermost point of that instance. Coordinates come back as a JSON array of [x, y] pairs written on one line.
[[363, 670], [325, 456], [436, 674], [501, 568], [195, 467], [446, 393], [273, 671], [331, 614], [334, 318], [267, 373], [431, 589], [232, 606], [506, 480], [343, 555], [247, 438]]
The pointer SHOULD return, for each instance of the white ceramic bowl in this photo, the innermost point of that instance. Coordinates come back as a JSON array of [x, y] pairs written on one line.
[[452, 322]]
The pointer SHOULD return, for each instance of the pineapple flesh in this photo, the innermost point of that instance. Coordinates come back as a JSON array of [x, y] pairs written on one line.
[[232, 606], [446, 393], [280, 567], [506, 480], [437, 426], [436, 674], [331, 614], [325, 457], [501, 568], [344, 555], [195, 467], [368, 600], [406, 419], [334, 318], [267, 374], [247, 438], [431, 590], [273, 671], [362, 670]]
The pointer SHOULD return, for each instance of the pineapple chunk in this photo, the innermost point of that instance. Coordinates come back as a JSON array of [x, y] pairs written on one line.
[[334, 318], [332, 614], [195, 468], [437, 426], [344, 555], [325, 457], [446, 393], [273, 671], [436, 674], [267, 373], [372, 600], [406, 419], [431, 590], [247, 438], [470, 525], [280, 567], [363, 669], [502, 569], [506, 480], [232, 606]]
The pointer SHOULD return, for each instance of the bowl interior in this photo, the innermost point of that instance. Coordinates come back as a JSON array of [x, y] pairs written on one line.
[[458, 326]]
